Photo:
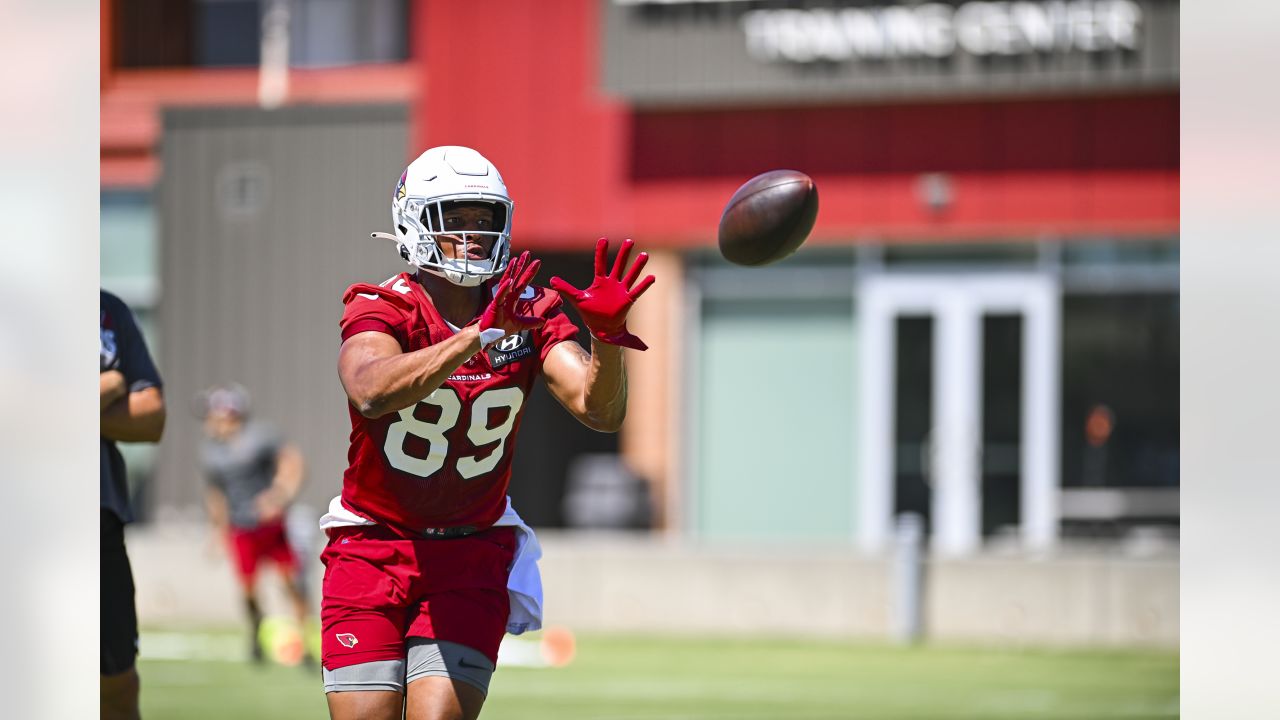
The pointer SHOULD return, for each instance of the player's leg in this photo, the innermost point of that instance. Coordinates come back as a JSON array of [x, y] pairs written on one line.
[[365, 705], [362, 622], [277, 549], [244, 553], [452, 646], [118, 695], [118, 688], [374, 688], [446, 681], [254, 613], [298, 599], [291, 573], [363, 663], [438, 698]]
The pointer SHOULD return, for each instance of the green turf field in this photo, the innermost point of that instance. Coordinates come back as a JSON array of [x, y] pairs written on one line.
[[634, 678]]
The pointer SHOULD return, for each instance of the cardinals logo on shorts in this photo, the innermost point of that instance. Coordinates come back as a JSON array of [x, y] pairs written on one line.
[[347, 639]]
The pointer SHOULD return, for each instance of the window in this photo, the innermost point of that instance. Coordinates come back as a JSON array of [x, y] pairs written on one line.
[[128, 262], [1120, 390], [346, 32], [227, 33]]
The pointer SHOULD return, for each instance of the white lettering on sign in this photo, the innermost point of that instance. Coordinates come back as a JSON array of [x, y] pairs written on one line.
[[937, 30]]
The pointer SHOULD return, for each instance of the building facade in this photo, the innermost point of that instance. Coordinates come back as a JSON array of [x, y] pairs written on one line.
[[982, 328]]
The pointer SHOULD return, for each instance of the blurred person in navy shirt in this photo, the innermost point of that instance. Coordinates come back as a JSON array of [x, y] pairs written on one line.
[[133, 410]]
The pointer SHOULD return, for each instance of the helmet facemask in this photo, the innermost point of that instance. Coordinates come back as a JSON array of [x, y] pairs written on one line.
[[419, 228]]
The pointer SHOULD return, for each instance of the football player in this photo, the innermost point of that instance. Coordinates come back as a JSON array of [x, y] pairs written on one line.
[[252, 476], [132, 407], [426, 564]]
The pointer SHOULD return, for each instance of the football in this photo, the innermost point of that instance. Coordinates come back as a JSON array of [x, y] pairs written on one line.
[[768, 218]]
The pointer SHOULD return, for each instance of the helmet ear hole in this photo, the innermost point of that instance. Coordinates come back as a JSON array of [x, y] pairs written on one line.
[[404, 253]]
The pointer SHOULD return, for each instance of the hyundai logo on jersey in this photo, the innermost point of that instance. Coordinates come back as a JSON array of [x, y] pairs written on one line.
[[510, 348]]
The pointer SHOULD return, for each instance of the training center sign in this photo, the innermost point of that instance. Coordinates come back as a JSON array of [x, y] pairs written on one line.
[[672, 52]]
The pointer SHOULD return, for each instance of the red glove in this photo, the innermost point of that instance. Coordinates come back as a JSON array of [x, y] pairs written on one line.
[[605, 303], [501, 313]]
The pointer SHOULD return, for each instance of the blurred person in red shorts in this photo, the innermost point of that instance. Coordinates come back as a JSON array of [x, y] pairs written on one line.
[[427, 563], [252, 478]]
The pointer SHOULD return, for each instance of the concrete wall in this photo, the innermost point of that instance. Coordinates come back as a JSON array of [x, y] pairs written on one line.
[[646, 584]]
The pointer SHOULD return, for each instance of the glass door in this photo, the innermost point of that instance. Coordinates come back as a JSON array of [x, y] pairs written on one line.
[[959, 388]]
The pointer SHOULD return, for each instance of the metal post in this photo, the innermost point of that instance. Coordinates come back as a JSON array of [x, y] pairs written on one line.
[[908, 579], [273, 68]]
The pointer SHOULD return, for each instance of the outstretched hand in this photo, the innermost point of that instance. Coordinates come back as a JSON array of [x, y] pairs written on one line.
[[605, 303], [502, 312]]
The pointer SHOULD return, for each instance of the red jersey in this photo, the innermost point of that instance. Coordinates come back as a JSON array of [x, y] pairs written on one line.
[[445, 462]]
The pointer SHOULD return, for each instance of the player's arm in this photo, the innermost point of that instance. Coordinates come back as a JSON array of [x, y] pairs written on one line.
[[136, 417], [215, 502], [591, 386], [380, 379], [290, 471], [285, 485], [111, 387], [138, 414]]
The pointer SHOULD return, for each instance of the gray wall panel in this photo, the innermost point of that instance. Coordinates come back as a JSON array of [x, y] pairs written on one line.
[[254, 295]]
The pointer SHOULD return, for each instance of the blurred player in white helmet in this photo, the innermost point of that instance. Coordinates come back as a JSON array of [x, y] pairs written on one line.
[[427, 565]]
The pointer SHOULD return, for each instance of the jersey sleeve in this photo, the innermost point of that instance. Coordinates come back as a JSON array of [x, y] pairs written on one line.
[[373, 308]]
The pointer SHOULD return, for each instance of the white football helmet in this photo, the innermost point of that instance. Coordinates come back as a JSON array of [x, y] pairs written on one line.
[[444, 175]]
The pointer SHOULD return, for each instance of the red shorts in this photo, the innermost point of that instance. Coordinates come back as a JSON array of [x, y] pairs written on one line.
[[265, 541], [380, 589]]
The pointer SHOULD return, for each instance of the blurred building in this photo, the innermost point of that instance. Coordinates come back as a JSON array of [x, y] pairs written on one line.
[[983, 327], [171, 56]]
